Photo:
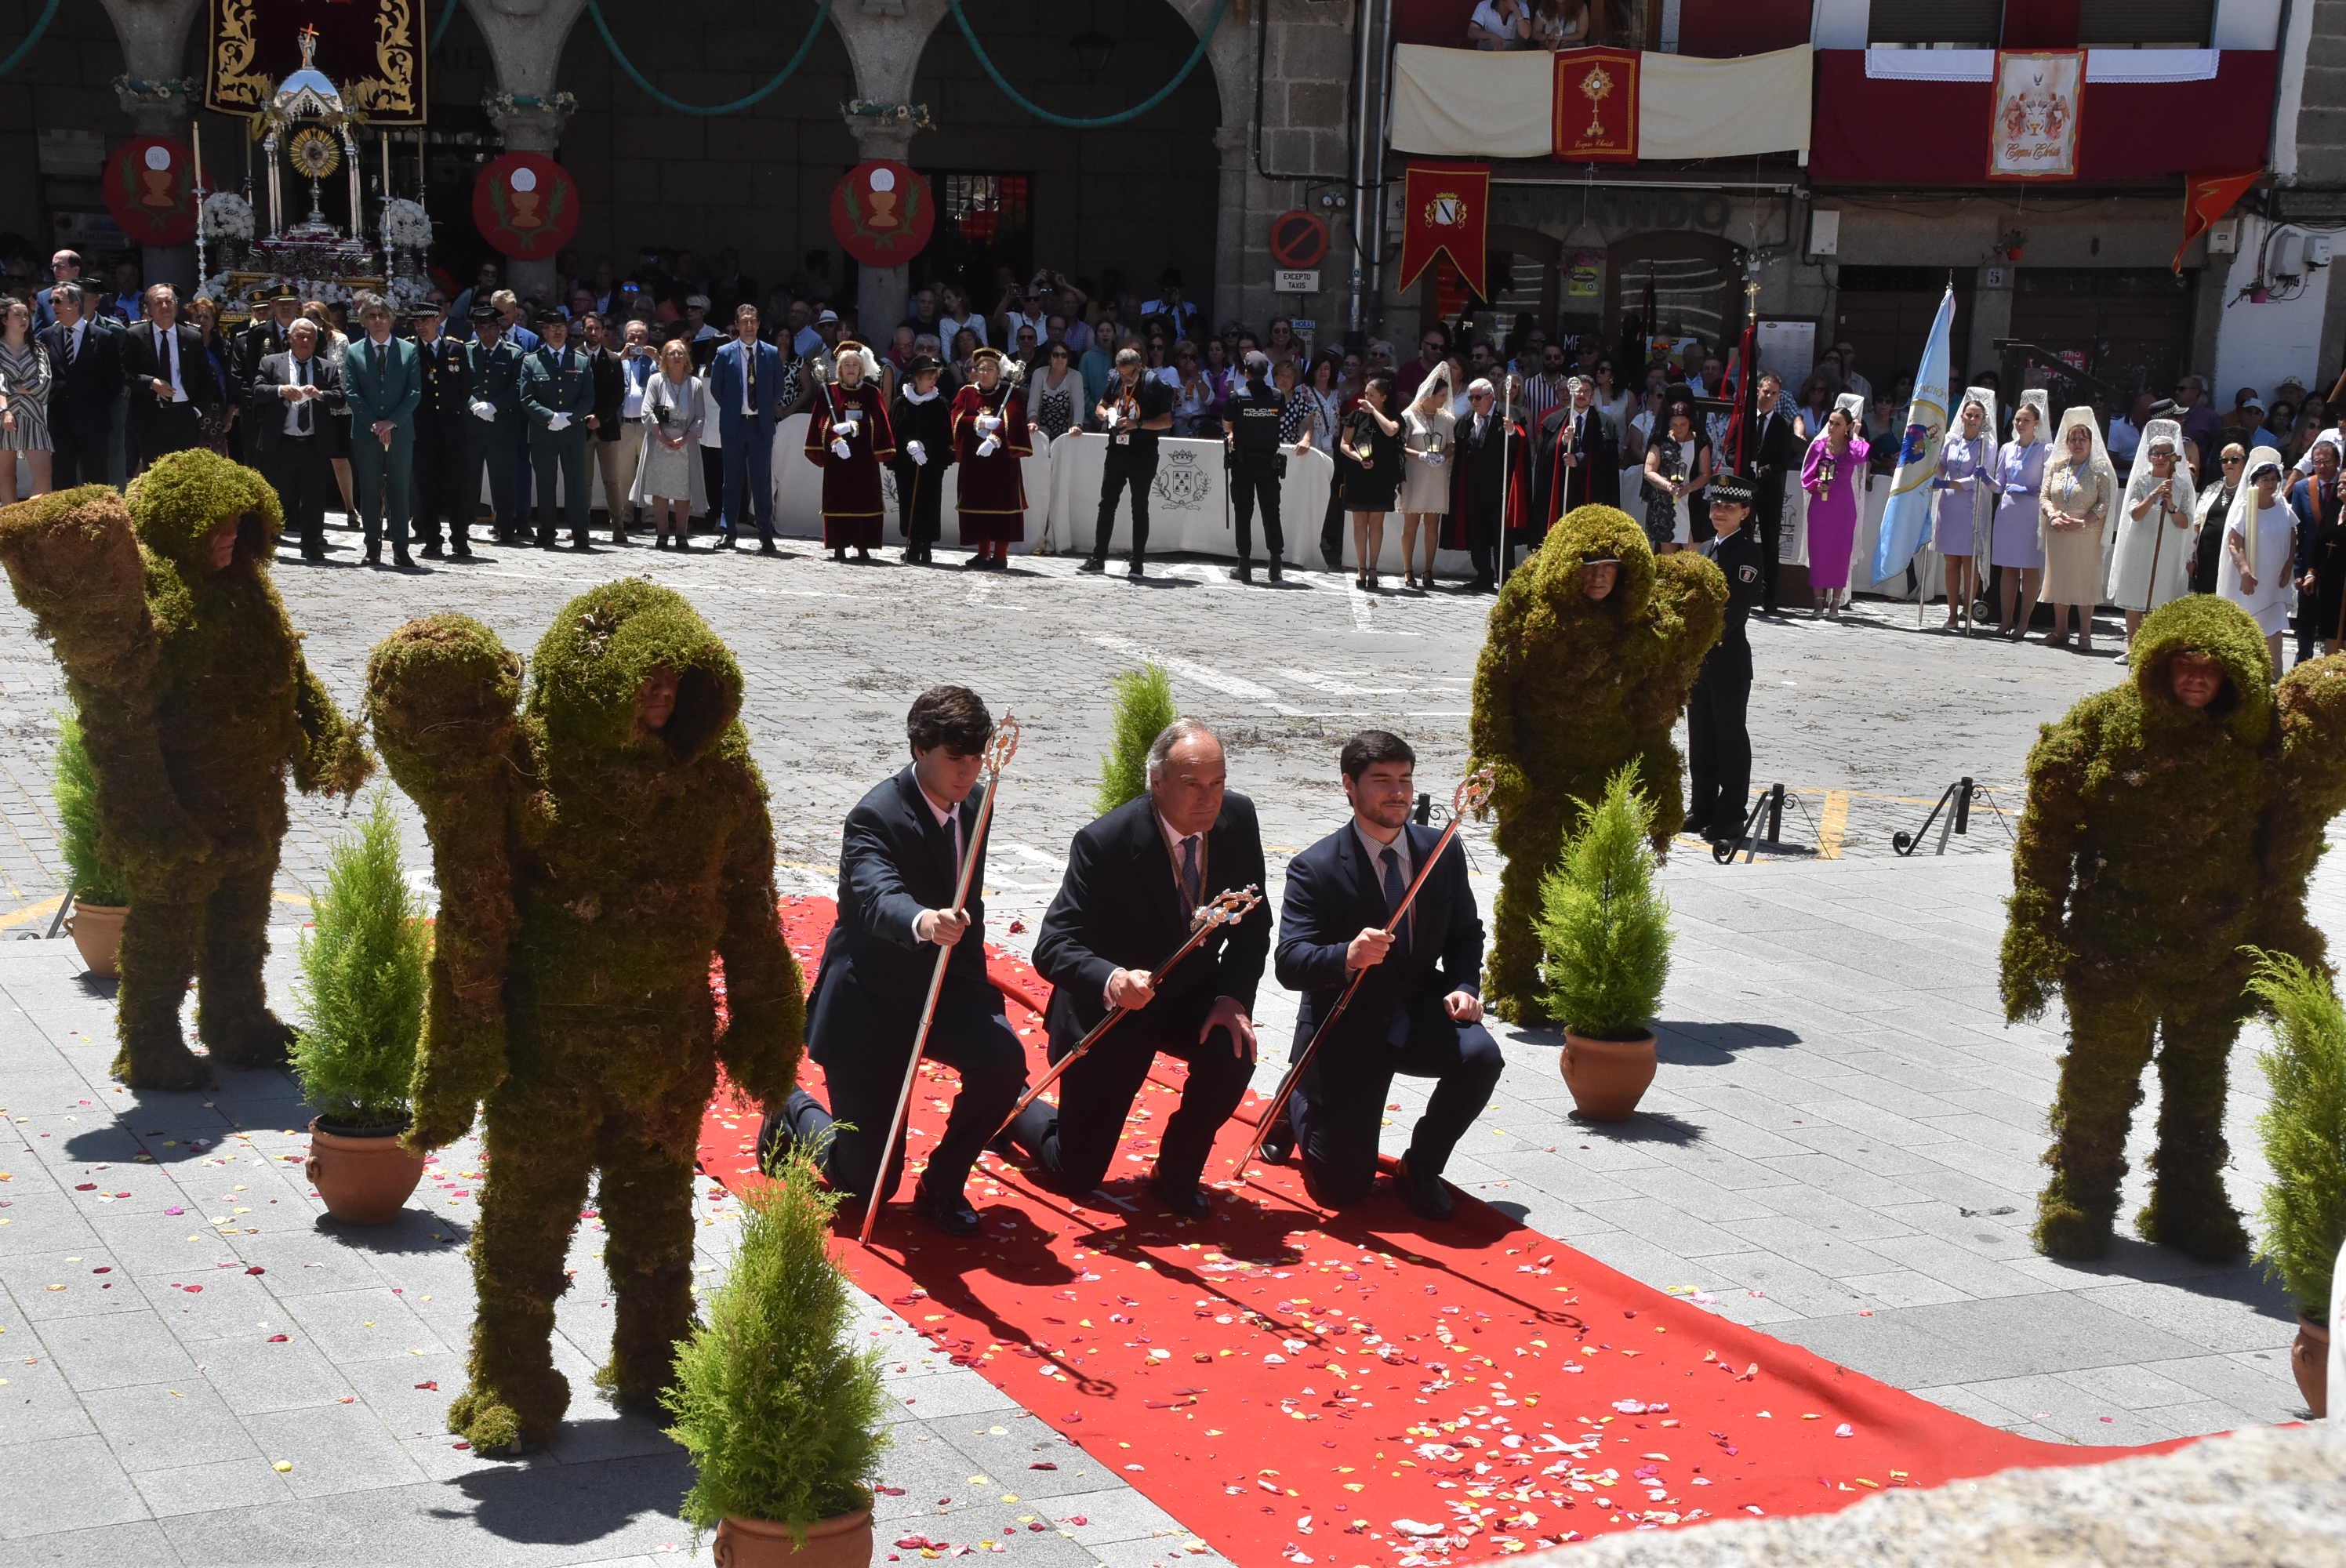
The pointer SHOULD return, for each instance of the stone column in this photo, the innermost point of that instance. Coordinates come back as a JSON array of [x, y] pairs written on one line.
[[156, 99], [525, 40], [881, 292], [1235, 261]]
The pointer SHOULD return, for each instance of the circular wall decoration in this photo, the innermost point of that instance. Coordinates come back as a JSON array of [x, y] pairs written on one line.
[[883, 213], [527, 205], [150, 189]]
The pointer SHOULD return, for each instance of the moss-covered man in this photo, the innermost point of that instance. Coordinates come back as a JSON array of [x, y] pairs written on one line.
[[594, 854], [1593, 646], [195, 702], [2171, 820]]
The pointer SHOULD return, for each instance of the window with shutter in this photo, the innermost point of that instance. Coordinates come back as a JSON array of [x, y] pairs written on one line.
[[1958, 24], [2147, 24]]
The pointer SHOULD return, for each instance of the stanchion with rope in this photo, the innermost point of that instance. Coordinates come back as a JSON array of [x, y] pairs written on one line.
[[1473, 793], [999, 749]]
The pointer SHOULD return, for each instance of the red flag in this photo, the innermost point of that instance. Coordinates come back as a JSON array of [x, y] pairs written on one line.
[[1446, 207], [1595, 107], [2206, 198]]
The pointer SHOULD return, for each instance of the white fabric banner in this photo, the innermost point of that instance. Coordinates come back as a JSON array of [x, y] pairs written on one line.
[[1693, 108], [1899, 64], [2032, 132], [1465, 103]]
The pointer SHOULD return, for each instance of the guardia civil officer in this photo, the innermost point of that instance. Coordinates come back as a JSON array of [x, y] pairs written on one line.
[[1254, 412], [1718, 744]]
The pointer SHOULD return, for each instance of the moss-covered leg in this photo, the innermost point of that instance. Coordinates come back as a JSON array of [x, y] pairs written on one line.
[[2188, 1207], [645, 1195], [232, 1014], [160, 941], [539, 1155], [1511, 983], [2101, 1084]]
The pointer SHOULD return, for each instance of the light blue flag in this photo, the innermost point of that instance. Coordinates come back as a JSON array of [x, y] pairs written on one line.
[[1906, 519]]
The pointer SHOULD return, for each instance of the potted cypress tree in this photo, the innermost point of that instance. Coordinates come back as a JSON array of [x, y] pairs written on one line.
[[1144, 706], [364, 978], [1605, 931], [783, 1415], [2303, 1129], [101, 898]]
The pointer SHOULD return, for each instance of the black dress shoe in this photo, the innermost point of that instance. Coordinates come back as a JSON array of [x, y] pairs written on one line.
[[1187, 1199], [1428, 1195], [768, 548], [374, 555], [1137, 570], [1280, 1142], [431, 551], [462, 553], [950, 1212], [578, 545], [1276, 566], [1246, 570], [724, 542], [403, 560], [1093, 564]]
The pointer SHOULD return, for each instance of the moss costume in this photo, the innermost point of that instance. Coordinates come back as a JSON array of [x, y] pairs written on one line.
[[195, 702], [1570, 688], [2158, 839], [589, 869]]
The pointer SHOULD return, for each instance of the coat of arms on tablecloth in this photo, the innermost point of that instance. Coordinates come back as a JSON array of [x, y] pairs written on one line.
[[1182, 481]]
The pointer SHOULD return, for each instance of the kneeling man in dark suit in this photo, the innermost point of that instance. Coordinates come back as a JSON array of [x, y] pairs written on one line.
[[897, 867], [1419, 1010], [1134, 880]]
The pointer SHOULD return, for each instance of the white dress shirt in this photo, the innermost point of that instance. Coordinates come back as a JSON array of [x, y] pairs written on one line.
[[297, 412], [166, 358], [949, 818]]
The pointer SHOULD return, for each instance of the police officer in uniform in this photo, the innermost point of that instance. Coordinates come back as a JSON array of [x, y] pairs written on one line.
[[442, 438], [1718, 744], [1256, 463]]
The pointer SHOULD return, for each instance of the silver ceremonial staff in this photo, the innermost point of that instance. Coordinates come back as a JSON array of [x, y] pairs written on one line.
[[1227, 909], [999, 748], [1473, 793]]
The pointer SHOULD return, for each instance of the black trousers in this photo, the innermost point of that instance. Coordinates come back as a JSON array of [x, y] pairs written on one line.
[[1332, 522], [920, 502], [1492, 553], [712, 479], [1125, 466], [1249, 482], [1076, 1143], [304, 476], [1338, 1106], [1718, 741], [162, 430], [971, 1036], [438, 487], [76, 457], [1770, 514]]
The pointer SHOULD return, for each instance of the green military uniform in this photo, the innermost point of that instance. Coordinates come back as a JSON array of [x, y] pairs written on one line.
[[557, 393], [495, 374]]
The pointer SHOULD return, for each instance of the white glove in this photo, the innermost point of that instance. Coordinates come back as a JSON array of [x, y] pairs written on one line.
[[1436, 459], [558, 421], [988, 447], [839, 446], [920, 454], [483, 409], [987, 423]]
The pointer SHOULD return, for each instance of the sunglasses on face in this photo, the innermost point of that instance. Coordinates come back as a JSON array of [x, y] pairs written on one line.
[[2234, 461]]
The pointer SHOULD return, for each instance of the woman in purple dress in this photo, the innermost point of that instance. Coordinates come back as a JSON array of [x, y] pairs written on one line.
[[1834, 476], [1965, 482], [2013, 544]]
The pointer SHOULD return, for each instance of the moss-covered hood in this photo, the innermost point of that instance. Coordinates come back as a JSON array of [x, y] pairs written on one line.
[[2201, 623], [1600, 531], [177, 503], [603, 646]]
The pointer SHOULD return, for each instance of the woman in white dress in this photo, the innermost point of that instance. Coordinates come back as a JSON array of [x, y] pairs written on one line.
[[1427, 429], [2152, 562], [1966, 486], [2259, 550], [2081, 495]]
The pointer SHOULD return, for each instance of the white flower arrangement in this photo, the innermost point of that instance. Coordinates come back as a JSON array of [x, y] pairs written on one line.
[[227, 216], [404, 293], [214, 287], [405, 225]]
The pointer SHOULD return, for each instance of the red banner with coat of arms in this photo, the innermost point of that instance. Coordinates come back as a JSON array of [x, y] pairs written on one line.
[[1445, 209], [1596, 106]]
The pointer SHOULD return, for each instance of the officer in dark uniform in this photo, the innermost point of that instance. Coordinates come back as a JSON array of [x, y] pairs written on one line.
[[441, 436], [1718, 746], [1256, 463], [557, 399], [493, 373]]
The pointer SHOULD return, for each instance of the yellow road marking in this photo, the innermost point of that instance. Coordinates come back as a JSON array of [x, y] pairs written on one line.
[[30, 913], [1832, 824]]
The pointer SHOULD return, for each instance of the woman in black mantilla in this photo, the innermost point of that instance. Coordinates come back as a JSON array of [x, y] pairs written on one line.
[[921, 416]]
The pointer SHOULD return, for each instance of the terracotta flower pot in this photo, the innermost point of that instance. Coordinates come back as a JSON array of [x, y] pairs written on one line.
[[362, 1174], [97, 931], [2309, 1357], [1607, 1077], [843, 1540]]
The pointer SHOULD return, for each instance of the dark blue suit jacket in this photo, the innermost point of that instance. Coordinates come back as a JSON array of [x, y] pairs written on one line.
[[725, 377], [1332, 894], [894, 861]]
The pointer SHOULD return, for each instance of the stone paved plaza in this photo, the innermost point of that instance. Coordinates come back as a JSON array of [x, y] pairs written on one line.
[[1839, 1148]]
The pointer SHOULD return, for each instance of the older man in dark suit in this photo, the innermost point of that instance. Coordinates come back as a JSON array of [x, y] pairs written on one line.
[[1419, 1010], [1135, 881], [171, 388], [903, 846], [294, 394], [86, 363], [1776, 451], [1576, 460]]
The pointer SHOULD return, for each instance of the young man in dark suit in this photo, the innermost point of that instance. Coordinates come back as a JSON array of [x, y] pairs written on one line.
[[1419, 1010], [1776, 451], [86, 363], [171, 388], [294, 394], [1134, 880], [897, 868]]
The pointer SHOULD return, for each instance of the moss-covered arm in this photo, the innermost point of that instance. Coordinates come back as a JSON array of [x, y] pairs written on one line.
[[1693, 588], [2310, 790], [2043, 862], [765, 994], [1491, 732], [332, 759]]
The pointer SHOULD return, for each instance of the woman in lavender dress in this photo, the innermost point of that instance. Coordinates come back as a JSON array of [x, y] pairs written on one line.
[[1965, 482], [2013, 544]]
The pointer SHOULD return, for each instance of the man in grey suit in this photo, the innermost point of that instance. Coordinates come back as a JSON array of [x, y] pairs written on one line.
[[383, 384], [291, 398]]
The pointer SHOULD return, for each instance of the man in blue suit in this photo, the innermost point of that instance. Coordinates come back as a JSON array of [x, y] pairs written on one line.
[[745, 382], [382, 383], [897, 868], [1419, 1010]]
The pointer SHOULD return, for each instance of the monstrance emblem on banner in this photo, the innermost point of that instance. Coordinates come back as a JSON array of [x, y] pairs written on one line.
[[527, 205], [883, 213]]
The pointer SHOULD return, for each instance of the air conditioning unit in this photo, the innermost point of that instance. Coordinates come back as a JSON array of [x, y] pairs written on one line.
[[1824, 233]]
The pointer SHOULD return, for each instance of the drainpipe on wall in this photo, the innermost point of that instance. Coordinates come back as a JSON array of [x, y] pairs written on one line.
[[1370, 23]]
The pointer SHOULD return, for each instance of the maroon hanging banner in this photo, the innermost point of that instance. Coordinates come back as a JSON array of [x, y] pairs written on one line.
[[150, 191], [371, 50]]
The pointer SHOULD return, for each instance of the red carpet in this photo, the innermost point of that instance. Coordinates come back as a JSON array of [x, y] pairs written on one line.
[[1366, 1389]]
